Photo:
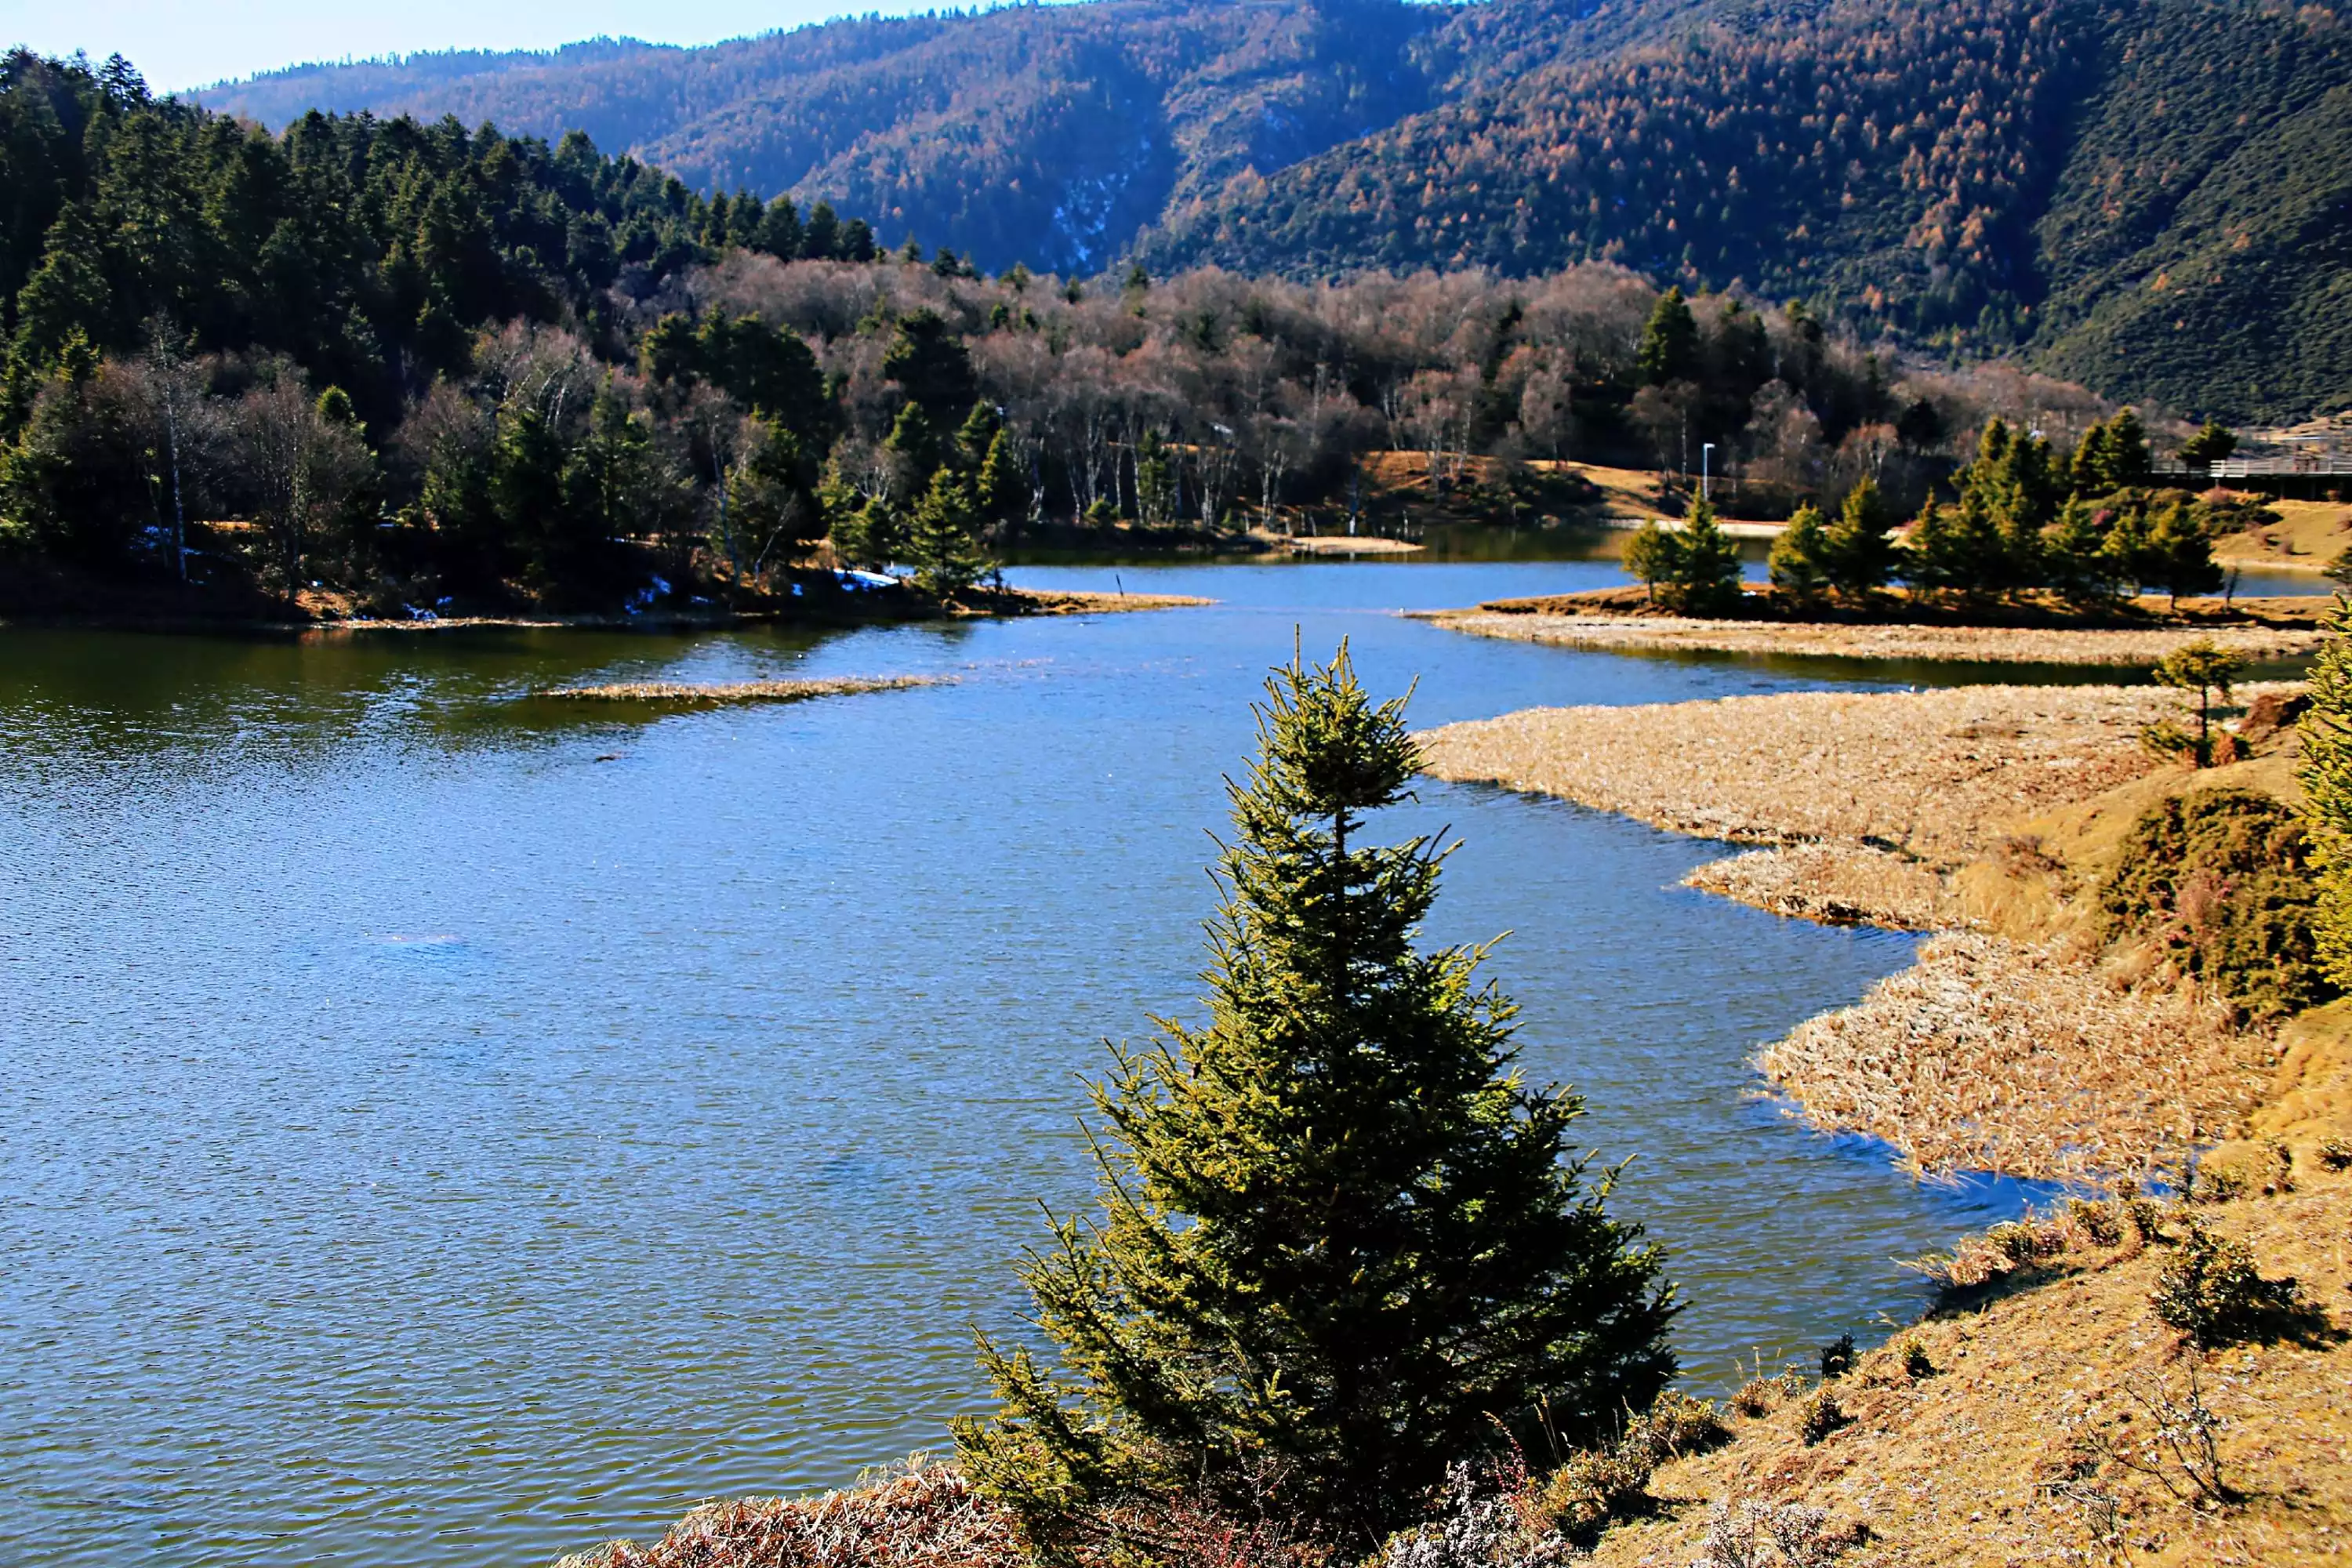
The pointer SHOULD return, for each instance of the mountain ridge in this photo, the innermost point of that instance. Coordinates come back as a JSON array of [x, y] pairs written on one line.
[[2149, 194]]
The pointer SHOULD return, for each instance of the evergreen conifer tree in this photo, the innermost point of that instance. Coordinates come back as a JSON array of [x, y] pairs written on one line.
[[978, 428], [1652, 555], [2131, 546], [1979, 560], [1002, 489], [1706, 579], [2325, 774], [1669, 346], [913, 442], [2182, 552], [943, 537], [2075, 558], [1860, 556], [1932, 555], [2206, 670], [1341, 1242], [2210, 446], [1799, 556]]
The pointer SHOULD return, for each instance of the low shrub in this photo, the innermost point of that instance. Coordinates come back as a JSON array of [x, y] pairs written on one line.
[[1837, 1357], [1761, 1395], [1595, 1489], [1821, 1416], [1490, 1521], [1754, 1533], [2097, 1223], [2026, 1242], [1915, 1364], [2216, 1184], [2335, 1155], [924, 1514], [2222, 880], [2147, 1217], [1673, 1425], [2211, 1290], [1599, 1486]]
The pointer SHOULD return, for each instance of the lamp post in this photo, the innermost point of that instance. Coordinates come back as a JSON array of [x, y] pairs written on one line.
[[1705, 451]]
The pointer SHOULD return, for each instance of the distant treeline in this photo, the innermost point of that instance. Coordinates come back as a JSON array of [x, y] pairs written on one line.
[[415, 363], [2081, 522]]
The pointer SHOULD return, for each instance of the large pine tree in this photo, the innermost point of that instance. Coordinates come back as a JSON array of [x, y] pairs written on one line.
[[1341, 1243]]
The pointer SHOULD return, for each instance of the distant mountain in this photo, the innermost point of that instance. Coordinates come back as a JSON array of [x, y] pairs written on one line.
[[1051, 134], [2153, 195]]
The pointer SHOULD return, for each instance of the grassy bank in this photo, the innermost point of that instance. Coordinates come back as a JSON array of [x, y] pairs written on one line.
[[733, 693], [1620, 621], [158, 608], [2005, 1427], [2025, 1041]]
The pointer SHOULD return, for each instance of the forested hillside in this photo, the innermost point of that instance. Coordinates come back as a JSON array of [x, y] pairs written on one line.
[[2154, 197], [378, 365], [1049, 134], [2150, 194]]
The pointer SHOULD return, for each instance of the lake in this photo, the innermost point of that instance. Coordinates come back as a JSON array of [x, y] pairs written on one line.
[[446, 1126]]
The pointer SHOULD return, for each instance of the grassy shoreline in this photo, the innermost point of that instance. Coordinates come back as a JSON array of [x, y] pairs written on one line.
[[1618, 621], [2018, 1043], [267, 619]]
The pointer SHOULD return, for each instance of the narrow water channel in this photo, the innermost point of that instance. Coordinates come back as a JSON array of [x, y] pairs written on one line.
[[441, 1128]]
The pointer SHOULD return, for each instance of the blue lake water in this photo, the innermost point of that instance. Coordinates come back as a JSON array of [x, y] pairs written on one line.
[[441, 1126]]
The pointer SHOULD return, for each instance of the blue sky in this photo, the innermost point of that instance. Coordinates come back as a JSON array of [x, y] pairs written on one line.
[[189, 43]]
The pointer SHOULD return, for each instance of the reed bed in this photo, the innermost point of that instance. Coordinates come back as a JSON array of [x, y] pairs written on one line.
[[718, 694], [1932, 773], [1988, 1055], [926, 1516], [1836, 884], [1989, 645], [1049, 602]]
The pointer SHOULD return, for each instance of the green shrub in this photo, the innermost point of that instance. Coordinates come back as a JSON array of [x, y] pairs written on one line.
[[1821, 1416], [1915, 1364], [2026, 1242], [2097, 1222], [1674, 1426], [2216, 1184], [2222, 878], [2211, 1290], [1837, 1357], [1596, 1488]]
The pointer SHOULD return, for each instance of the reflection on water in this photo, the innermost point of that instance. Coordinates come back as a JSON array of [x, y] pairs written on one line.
[[439, 1119]]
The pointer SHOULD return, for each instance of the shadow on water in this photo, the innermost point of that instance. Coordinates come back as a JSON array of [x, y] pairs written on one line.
[[433, 1118]]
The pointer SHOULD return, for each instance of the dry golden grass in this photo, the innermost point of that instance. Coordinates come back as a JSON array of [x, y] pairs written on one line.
[[1991, 1458], [717, 694], [1836, 884], [1932, 772], [1990, 645], [1041, 602], [927, 1516], [2308, 534], [1900, 809], [1339, 545], [1988, 1055]]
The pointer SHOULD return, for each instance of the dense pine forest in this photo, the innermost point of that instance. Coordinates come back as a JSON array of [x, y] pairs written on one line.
[[2147, 196]]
